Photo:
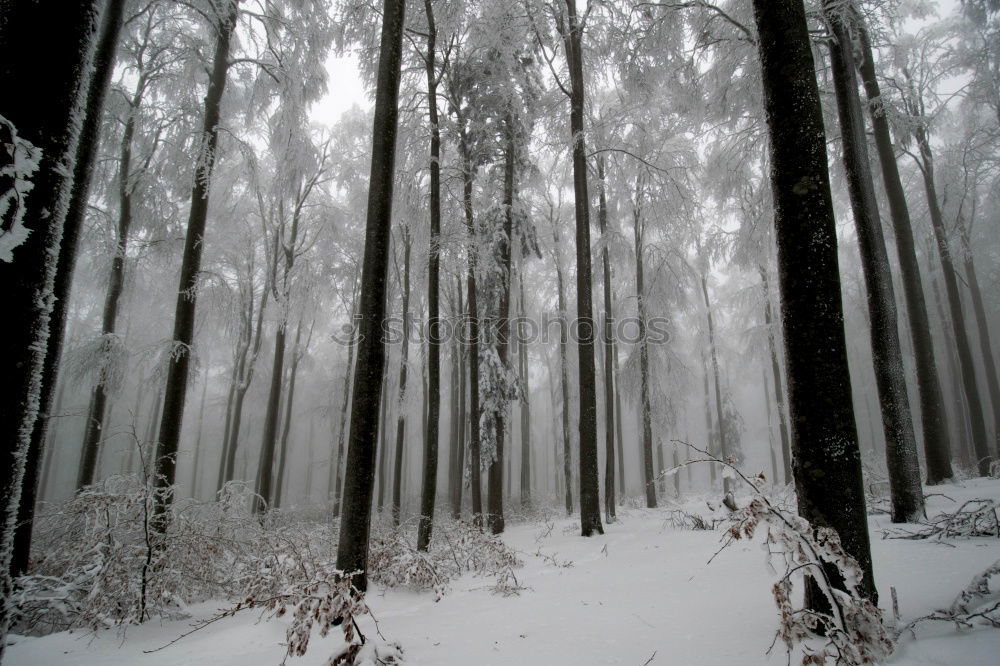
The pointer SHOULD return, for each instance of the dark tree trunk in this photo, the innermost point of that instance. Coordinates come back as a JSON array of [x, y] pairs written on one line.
[[286, 425], [618, 421], [959, 420], [352, 552], [51, 432], [966, 364], [770, 430], [590, 503], [64, 124], [934, 422], [456, 472], [336, 466], [265, 463], [429, 490], [187, 290], [724, 452], [609, 351], [383, 437], [985, 347], [779, 390], [907, 498], [564, 380], [645, 407], [495, 477], [397, 474], [827, 463]]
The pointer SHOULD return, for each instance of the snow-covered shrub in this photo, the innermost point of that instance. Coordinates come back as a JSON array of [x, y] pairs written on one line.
[[976, 604], [850, 630], [457, 547], [101, 562], [975, 518]]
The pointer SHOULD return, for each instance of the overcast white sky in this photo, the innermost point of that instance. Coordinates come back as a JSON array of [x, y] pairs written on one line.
[[344, 90]]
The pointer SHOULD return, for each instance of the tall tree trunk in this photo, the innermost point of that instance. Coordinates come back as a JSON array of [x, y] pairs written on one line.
[[934, 422], [187, 291], [495, 518], [770, 429], [827, 463], [336, 467], [618, 421], [265, 462], [779, 390], [965, 450], [966, 364], [352, 552], [456, 474], [51, 432], [906, 494], [525, 407], [720, 417], [590, 503], [564, 381], [645, 407], [286, 425], [397, 475], [609, 372], [982, 327], [429, 490], [63, 123], [709, 430], [198, 433], [472, 333], [383, 437]]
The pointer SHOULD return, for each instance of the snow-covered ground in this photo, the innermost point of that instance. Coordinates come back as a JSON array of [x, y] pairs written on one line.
[[644, 593]]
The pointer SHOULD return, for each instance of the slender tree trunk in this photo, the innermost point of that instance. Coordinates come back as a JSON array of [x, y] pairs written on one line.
[[564, 380], [265, 463], [522, 357], [965, 450], [286, 425], [187, 291], [645, 407], [907, 496], [383, 437], [827, 463], [336, 467], [352, 552], [709, 430], [198, 434], [770, 429], [590, 503], [618, 421], [934, 423], [966, 364], [779, 390], [397, 477], [724, 452], [429, 490], [982, 327], [51, 432], [609, 350], [458, 361]]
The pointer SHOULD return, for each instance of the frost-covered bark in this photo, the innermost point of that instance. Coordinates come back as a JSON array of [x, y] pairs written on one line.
[[934, 422], [352, 552], [779, 391], [609, 353], [103, 64], [429, 489], [827, 463], [525, 404], [50, 119], [175, 391], [906, 494], [724, 448], [590, 505], [645, 402], [397, 475], [564, 376]]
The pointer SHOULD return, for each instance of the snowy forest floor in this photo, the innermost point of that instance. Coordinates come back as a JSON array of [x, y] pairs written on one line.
[[643, 593]]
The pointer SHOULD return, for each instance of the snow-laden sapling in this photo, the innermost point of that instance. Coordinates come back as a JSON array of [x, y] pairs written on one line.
[[976, 604], [851, 630]]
